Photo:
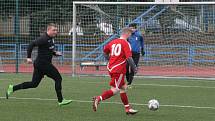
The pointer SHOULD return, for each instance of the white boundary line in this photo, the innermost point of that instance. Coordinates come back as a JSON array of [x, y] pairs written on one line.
[[158, 77], [162, 85], [118, 103], [176, 86], [177, 77]]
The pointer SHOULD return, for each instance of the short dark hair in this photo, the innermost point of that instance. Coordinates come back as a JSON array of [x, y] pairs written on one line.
[[51, 25], [133, 25]]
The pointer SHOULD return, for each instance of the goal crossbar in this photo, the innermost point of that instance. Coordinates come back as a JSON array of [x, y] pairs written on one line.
[[147, 3]]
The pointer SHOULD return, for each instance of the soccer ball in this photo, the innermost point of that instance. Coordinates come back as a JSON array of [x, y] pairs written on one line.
[[153, 104]]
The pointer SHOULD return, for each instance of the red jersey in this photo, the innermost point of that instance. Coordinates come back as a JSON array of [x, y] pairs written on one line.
[[119, 50]]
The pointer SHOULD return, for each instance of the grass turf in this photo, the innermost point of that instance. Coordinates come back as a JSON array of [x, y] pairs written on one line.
[[180, 100]]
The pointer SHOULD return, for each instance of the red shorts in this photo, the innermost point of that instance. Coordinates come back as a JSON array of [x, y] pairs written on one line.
[[117, 80]]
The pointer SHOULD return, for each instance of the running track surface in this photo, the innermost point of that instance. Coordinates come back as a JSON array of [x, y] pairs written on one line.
[[142, 71]]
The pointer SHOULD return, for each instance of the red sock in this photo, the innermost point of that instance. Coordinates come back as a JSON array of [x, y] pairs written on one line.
[[124, 99], [105, 95]]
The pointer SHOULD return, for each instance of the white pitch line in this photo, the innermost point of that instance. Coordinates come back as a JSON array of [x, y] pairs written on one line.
[[180, 106], [183, 78], [162, 85], [119, 103]]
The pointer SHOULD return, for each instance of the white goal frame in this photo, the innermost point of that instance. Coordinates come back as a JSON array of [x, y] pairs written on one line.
[[1, 65], [119, 3]]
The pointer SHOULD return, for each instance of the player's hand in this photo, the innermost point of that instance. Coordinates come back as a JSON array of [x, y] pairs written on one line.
[[142, 52], [107, 57], [29, 60], [135, 70], [57, 53]]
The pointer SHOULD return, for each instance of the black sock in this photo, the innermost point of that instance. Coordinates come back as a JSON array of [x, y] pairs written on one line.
[[59, 96]]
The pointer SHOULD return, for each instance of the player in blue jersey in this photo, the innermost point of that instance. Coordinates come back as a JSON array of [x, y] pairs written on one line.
[[137, 46]]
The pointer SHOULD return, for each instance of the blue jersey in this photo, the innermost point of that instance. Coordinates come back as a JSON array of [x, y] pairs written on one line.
[[136, 41]]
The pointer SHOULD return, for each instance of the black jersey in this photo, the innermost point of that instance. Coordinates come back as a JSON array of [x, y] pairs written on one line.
[[45, 46]]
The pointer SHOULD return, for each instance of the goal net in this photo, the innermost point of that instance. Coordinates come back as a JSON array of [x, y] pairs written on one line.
[[178, 37]]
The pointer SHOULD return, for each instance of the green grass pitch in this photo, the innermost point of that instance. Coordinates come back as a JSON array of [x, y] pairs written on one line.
[[180, 100]]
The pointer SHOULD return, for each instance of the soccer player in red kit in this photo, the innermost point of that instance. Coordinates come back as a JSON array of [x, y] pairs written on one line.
[[118, 52]]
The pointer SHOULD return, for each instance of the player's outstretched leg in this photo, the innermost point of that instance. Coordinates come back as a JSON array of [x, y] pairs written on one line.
[[64, 102], [95, 103], [105, 95], [9, 91]]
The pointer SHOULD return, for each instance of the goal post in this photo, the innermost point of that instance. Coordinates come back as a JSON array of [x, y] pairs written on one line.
[[1, 65], [178, 36]]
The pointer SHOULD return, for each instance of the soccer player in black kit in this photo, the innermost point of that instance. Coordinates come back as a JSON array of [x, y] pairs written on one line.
[[43, 64]]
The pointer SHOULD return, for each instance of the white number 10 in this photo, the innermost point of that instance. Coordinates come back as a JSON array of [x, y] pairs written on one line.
[[116, 49]]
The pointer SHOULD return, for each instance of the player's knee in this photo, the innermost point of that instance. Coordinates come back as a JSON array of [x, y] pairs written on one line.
[[59, 79], [123, 90], [115, 90], [34, 85]]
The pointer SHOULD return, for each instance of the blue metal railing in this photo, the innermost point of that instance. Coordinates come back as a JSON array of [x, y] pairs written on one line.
[[168, 53]]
